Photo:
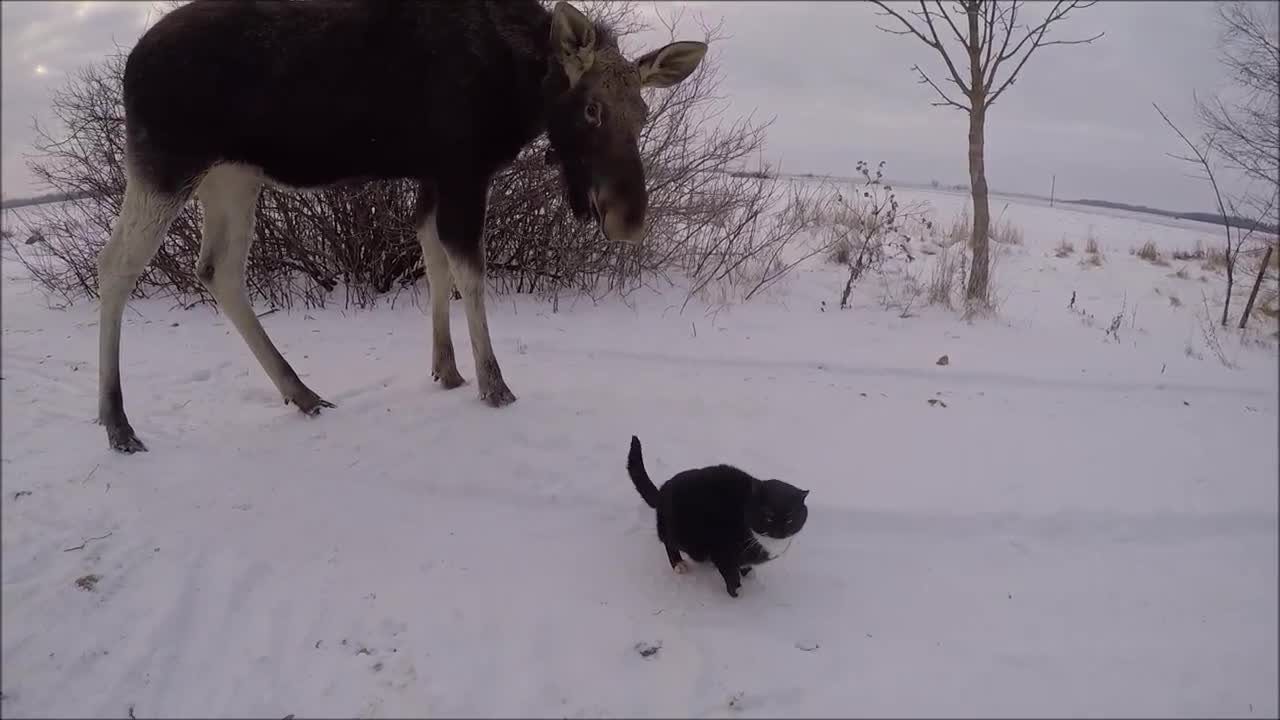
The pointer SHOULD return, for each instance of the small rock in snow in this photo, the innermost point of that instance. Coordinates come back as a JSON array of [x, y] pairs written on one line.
[[944, 360], [648, 650]]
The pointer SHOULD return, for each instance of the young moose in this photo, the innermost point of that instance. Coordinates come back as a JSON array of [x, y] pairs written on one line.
[[223, 97]]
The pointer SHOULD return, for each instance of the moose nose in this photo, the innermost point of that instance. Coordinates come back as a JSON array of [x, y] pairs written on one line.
[[621, 221]]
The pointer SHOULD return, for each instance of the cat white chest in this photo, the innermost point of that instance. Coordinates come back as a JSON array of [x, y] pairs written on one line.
[[773, 547]]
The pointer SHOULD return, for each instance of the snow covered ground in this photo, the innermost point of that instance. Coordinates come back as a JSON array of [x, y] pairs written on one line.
[[1083, 526]]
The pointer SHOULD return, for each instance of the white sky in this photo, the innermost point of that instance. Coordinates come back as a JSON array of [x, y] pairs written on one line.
[[840, 91]]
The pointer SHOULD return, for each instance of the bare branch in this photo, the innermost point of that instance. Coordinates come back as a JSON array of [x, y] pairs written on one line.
[[931, 40], [947, 101], [1036, 37], [1202, 158], [955, 30]]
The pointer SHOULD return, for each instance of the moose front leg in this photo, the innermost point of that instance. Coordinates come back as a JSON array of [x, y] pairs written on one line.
[[444, 367], [460, 221]]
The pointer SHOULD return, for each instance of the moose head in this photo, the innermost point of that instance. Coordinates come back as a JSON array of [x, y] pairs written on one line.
[[595, 115]]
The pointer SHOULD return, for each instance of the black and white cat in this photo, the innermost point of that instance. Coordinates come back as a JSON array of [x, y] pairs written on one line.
[[722, 514]]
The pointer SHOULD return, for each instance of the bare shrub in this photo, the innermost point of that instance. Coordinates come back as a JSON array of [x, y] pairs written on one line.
[[1174, 301], [959, 232], [1215, 258], [1183, 273], [1091, 244], [870, 228], [1149, 252], [1209, 332], [901, 293], [711, 218], [942, 279], [1064, 248], [1006, 233], [1093, 256], [1196, 253]]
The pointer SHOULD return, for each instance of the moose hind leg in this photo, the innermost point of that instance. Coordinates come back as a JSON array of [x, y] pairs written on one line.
[[460, 219], [444, 365], [229, 195], [145, 216]]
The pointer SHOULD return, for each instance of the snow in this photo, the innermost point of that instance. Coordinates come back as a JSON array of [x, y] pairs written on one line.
[[1082, 527]]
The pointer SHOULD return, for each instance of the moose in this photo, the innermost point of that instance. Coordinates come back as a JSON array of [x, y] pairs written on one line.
[[222, 98]]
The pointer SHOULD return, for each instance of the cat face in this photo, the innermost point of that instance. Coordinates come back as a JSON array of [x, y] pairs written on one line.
[[778, 509]]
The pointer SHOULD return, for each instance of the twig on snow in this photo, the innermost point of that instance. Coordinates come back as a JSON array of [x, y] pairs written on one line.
[[87, 541]]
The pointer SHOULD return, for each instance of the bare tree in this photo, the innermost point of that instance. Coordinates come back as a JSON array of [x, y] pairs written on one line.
[[1243, 131], [1238, 234], [992, 37], [1246, 126]]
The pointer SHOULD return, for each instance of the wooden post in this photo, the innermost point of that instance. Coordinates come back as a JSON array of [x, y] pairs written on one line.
[[1052, 187], [1257, 283]]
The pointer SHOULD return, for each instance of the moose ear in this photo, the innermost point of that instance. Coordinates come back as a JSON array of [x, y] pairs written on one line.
[[670, 64], [573, 39]]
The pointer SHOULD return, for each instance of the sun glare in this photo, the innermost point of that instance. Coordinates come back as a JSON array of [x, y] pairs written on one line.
[[42, 70]]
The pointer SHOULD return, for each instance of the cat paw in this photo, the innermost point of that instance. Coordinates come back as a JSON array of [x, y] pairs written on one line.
[[733, 591], [681, 567]]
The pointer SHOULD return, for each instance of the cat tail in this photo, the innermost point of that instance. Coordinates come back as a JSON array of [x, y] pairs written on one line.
[[635, 468]]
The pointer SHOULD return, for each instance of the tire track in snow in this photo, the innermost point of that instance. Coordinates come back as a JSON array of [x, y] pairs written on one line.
[[950, 375]]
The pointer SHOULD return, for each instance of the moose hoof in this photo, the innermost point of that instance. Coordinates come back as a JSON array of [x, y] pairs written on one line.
[[308, 402], [448, 379], [498, 397], [122, 439]]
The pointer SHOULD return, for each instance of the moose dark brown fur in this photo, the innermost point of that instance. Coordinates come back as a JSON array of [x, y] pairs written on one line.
[[223, 97]]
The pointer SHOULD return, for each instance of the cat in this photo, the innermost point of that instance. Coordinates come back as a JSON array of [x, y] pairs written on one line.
[[722, 514]]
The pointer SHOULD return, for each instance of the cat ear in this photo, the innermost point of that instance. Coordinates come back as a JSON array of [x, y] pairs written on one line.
[[804, 494]]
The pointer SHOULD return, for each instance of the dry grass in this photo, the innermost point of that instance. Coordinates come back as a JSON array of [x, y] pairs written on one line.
[[1183, 273], [1197, 253], [1151, 253], [1064, 248], [987, 306], [1174, 301], [961, 229], [1006, 233], [942, 280], [1093, 256], [1215, 259]]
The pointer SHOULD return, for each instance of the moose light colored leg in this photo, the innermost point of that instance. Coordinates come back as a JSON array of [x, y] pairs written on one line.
[[230, 195], [145, 216], [444, 366], [470, 275]]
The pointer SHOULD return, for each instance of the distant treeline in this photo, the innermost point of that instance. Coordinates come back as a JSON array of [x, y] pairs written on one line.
[[1214, 218]]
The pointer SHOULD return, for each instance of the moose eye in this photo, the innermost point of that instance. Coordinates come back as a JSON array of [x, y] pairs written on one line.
[[592, 113]]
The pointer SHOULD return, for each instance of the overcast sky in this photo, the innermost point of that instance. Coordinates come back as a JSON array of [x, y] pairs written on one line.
[[840, 90]]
